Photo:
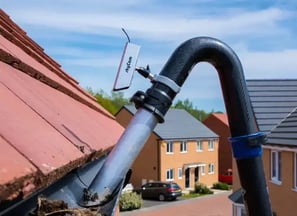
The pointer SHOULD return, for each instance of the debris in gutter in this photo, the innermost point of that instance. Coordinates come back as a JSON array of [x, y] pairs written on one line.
[[46, 207]]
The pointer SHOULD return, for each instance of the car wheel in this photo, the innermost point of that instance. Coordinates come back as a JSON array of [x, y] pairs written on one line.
[[161, 197]]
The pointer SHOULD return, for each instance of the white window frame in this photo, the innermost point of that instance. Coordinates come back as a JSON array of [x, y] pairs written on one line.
[[180, 173], [169, 147], [169, 175], [211, 168], [275, 166], [202, 170], [183, 146], [199, 146], [211, 144]]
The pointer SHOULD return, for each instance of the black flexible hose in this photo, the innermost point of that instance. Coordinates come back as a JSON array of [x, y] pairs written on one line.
[[238, 106]]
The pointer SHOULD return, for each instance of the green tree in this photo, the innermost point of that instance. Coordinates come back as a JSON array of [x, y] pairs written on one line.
[[111, 103], [117, 99], [188, 106]]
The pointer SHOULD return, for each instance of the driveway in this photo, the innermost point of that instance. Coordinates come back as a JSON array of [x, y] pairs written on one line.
[[210, 205]]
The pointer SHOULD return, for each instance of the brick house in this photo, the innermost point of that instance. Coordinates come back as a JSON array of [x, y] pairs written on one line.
[[274, 103], [218, 123], [181, 149]]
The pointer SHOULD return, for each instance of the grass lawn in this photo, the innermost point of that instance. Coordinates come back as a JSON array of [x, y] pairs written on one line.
[[190, 195]]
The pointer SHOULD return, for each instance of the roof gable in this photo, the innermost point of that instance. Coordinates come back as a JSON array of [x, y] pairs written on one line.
[[274, 103], [179, 124], [272, 100], [222, 117]]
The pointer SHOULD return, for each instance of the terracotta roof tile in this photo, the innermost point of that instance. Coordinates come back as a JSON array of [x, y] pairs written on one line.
[[222, 117], [49, 124], [16, 172], [13, 164], [72, 119], [31, 135], [41, 63]]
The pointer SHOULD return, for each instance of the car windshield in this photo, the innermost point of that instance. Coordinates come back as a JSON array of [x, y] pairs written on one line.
[[175, 186]]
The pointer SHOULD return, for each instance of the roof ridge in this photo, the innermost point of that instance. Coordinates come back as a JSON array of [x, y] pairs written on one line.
[[30, 71], [12, 32]]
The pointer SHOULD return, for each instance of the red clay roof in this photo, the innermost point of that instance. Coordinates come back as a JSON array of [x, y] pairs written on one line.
[[222, 117], [49, 124]]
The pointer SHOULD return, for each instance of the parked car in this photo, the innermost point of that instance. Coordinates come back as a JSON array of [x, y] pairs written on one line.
[[160, 190], [227, 177]]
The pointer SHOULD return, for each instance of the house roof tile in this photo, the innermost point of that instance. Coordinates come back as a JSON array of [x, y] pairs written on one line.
[[272, 100], [49, 124], [179, 124], [274, 103], [285, 133], [222, 117]]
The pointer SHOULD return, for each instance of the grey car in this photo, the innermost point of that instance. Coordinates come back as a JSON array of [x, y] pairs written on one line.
[[160, 190]]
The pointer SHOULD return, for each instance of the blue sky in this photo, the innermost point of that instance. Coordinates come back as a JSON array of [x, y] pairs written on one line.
[[85, 37]]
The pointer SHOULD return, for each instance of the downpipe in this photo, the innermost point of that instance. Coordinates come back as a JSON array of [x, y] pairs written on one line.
[[246, 139]]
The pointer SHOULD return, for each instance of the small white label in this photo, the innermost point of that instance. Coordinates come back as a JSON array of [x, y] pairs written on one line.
[[127, 67]]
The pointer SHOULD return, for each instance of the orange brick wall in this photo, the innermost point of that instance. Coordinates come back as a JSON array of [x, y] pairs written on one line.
[[152, 162], [283, 197], [178, 159]]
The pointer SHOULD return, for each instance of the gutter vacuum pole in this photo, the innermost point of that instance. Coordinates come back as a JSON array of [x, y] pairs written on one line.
[[153, 105]]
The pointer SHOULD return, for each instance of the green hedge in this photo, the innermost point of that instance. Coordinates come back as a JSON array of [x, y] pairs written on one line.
[[221, 186], [202, 189], [130, 201]]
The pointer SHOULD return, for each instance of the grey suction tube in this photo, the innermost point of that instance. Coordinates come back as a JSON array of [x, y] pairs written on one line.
[[153, 105]]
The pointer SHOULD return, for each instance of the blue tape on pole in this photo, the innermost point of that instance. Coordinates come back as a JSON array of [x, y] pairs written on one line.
[[242, 149]]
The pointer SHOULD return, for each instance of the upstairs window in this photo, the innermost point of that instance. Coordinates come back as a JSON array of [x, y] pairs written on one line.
[[276, 160], [169, 147], [183, 146], [210, 145], [199, 145]]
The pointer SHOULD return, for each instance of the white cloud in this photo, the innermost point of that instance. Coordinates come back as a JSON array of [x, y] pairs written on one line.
[[273, 64], [159, 30], [156, 26]]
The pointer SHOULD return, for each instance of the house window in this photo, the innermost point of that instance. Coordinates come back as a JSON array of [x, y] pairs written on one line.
[[211, 168], [180, 173], [210, 145], [183, 146], [202, 170], [169, 147], [295, 170], [276, 166], [169, 174], [199, 145]]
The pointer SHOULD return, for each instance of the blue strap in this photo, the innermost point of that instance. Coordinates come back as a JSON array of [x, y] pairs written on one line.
[[242, 148]]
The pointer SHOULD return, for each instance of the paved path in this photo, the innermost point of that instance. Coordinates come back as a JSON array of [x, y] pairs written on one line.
[[211, 205]]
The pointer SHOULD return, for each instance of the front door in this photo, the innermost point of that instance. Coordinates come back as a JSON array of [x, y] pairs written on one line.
[[196, 174], [187, 178]]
